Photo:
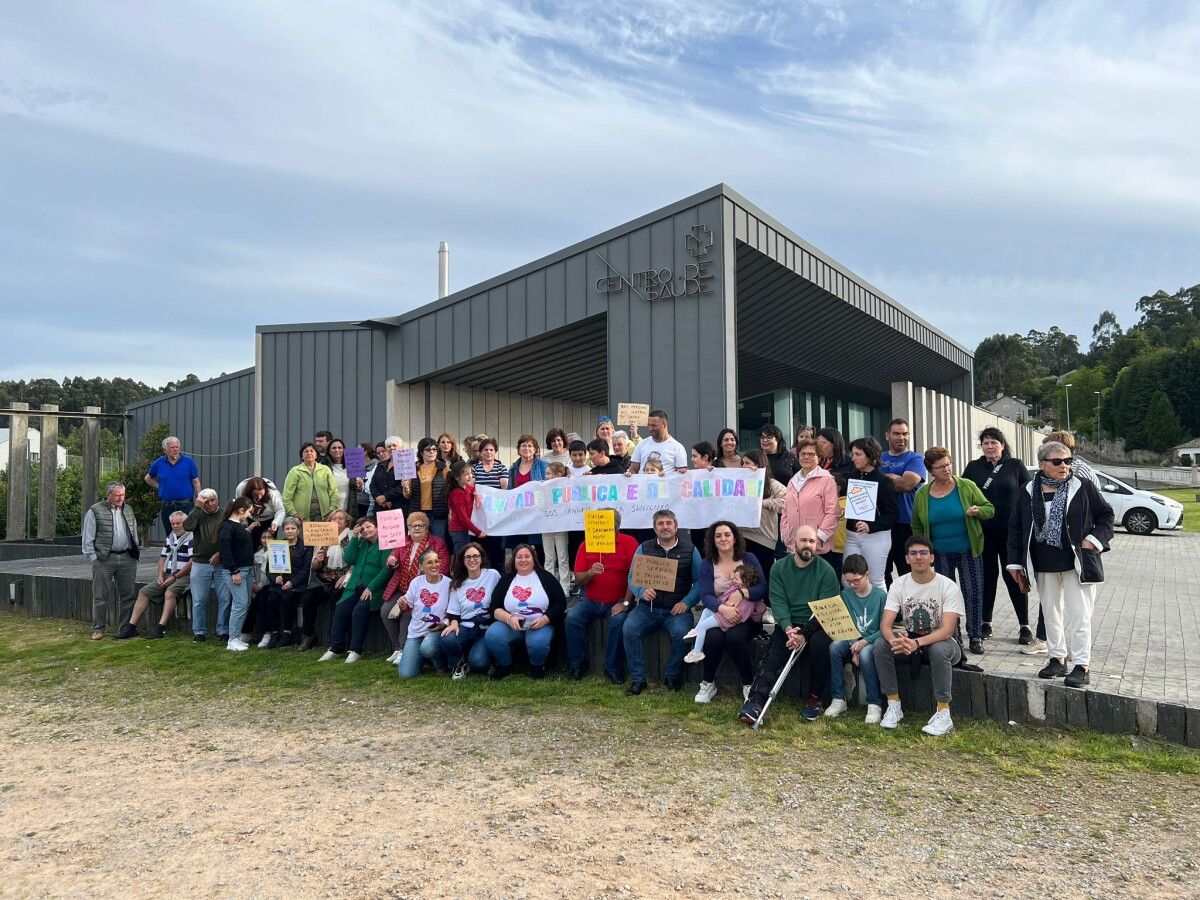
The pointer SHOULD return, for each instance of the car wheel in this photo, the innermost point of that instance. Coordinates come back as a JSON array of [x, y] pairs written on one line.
[[1140, 521]]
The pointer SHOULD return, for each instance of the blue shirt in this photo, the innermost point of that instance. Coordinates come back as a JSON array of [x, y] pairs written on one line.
[[908, 461], [948, 524], [174, 481]]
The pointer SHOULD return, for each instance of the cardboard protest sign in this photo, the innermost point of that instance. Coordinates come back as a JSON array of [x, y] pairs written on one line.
[[279, 559], [390, 525], [654, 572], [633, 414], [835, 619], [320, 534], [356, 462], [600, 531], [862, 497], [404, 463]]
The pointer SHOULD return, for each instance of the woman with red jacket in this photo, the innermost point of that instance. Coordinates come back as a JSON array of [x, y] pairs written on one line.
[[462, 502]]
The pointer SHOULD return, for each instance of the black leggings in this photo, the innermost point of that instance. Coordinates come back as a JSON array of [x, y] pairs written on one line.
[[995, 558], [279, 612], [314, 598], [737, 641], [815, 659]]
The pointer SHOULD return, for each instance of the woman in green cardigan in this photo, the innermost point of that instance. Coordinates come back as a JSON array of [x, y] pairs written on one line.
[[310, 490], [363, 594], [948, 511]]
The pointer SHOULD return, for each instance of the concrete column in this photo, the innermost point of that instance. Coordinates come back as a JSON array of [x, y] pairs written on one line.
[[18, 474], [48, 485], [91, 457]]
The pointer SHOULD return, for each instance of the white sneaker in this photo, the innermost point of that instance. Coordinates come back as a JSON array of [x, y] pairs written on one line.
[[353, 657], [746, 692], [874, 714], [460, 671], [708, 690], [893, 716], [236, 645], [327, 656], [690, 636], [940, 725], [693, 656], [391, 660], [836, 707], [1034, 648], [265, 642]]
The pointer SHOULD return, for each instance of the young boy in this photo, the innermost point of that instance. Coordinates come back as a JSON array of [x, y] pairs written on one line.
[[864, 601], [579, 466]]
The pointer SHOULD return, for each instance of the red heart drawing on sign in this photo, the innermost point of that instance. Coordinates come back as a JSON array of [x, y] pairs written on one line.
[[428, 597], [476, 595], [522, 593]]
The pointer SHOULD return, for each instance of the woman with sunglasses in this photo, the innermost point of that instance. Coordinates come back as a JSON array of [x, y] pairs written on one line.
[[429, 492], [427, 597], [1059, 527]]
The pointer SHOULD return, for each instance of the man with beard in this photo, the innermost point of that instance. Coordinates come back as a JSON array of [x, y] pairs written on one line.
[[794, 584]]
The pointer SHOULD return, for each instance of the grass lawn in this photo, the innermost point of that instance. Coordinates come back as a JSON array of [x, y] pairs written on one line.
[[1191, 509], [52, 659]]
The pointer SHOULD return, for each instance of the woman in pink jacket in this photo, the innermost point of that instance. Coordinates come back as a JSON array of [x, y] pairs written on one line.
[[812, 499]]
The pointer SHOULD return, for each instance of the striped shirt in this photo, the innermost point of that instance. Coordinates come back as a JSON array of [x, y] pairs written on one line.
[[489, 479], [177, 551]]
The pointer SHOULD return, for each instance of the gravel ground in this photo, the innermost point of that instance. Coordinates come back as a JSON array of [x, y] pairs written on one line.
[[438, 801]]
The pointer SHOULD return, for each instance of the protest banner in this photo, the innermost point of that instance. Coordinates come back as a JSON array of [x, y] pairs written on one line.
[[404, 463], [835, 619], [637, 414], [390, 525], [600, 530], [697, 498], [279, 558], [861, 499], [653, 572], [320, 534], [356, 462]]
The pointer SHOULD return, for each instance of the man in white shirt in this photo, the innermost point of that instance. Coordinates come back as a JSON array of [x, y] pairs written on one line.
[[659, 445]]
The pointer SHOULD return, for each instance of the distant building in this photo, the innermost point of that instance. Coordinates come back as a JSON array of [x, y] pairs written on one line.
[[1189, 452], [1009, 408], [35, 446]]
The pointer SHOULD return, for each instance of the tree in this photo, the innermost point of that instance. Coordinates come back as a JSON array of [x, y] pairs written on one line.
[[1084, 383], [1056, 351], [1004, 364], [1106, 330], [1160, 428]]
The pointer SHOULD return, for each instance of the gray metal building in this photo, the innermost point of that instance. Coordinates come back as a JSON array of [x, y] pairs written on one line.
[[708, 308]]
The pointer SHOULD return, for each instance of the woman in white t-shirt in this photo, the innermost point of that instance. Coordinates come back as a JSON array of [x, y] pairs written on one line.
[[428, 595], [526, 604], [469, 612]]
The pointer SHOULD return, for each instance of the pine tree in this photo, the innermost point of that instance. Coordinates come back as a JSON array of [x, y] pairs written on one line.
[[1160, 429]]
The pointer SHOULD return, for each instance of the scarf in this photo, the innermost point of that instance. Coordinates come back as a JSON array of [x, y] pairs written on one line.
[[1048, 523], [411, 567]]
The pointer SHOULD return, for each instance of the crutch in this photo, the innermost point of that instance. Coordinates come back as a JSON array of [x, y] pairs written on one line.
[[778, 686]]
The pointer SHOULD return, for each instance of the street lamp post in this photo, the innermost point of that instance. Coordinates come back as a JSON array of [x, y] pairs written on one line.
[[1097, 393], [1068, 393]]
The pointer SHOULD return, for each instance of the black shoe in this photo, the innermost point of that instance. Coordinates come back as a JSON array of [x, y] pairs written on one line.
[[127, 632], [306, 644], [276, 640], [1078, 678], [1025, 636], [634, 689], [159, 631], [224, 637], [750, 713], [673, 684], [199, 638], [537, 672], [987, 630], [577, 672], [614, 679], [976, 646], [499, 672], [287, 639], [1055, 669]]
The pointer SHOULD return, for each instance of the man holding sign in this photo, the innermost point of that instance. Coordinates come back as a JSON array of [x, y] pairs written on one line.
[[602, 577], [656, 608], [795, 583]]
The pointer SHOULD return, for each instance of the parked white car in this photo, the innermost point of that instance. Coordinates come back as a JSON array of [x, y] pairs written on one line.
[[1138, 511]]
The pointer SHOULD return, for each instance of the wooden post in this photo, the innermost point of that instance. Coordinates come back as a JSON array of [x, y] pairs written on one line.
[[48, 485], [18, 475], [91, 458]]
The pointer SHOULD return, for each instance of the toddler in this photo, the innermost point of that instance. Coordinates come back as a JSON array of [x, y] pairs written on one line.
[[747, 578]]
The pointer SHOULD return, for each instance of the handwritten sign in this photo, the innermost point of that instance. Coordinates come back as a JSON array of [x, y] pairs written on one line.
[[653, 572], [279, 558], [390, 524], [862, 497], [633, 414], [404, 463], [320, 534], [356, 462], [600, 530], [835, 619]]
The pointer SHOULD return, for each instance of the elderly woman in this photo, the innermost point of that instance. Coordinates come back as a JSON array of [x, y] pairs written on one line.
[[427, 597], [362, 588], [1000, 476], [738, 608], [309, 491], [404, 563], [266, 506], [469, 611], [812, 499], [387, 491], [1059, 527], [526, 605], [285, 591], [326, 570], [763, 540], [872, 539], [949, 510]]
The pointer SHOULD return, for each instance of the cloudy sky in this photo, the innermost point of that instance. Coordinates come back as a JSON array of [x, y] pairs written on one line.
[[173, 174]]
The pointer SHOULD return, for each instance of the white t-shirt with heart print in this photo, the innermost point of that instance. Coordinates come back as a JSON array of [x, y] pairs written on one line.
[[526, 597], [428, 603], [471, 599]]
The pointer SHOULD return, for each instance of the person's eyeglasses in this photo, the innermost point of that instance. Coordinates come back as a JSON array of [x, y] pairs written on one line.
[[472, 556], [416, 527], [918, 552], [1059, 461]]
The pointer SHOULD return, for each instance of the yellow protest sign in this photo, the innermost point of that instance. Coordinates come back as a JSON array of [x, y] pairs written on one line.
[[600, 530], [835, 619]]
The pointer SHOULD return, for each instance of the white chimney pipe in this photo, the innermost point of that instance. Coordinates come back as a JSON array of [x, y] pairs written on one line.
[[443, 269]]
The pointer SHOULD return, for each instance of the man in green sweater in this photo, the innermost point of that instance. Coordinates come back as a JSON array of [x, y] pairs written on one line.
[[795, 582]]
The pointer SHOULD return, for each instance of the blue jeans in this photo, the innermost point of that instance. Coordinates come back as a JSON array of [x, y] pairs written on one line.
[[416, 651], [354, 616], [644, 620], [204, 578], [839, 652], [240, 600], [439, 527], [170, 506], [467, 641], [500, 639], [579, 619]]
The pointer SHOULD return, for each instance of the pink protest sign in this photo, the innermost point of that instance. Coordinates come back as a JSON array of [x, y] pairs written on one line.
[[390, 524]]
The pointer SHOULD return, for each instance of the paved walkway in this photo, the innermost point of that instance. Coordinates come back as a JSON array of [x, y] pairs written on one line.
[[1146, 625]]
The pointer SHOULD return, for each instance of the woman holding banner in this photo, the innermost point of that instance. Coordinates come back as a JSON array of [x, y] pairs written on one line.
[[727, 450], [309, 491], [763, 540], [527, 604], [871, 537], [528, 467], [405, 565]]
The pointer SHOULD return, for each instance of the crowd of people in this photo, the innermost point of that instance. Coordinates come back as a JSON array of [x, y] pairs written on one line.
[[455, 599]]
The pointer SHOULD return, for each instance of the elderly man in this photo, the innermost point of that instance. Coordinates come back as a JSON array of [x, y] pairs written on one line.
[[602, 578], [176, 478], [171, 583], [110, 543], [668, 610], [621, 449], [204, 522]]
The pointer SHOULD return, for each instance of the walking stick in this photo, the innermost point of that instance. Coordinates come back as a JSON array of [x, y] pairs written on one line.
[[778, 686]]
